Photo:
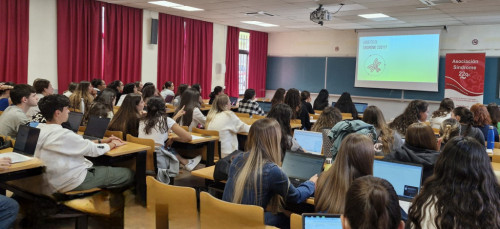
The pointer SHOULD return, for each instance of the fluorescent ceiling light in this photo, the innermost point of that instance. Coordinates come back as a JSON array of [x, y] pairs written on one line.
[[371, 16], [165, 3], [175, 6], [263, 24], [187, 8]]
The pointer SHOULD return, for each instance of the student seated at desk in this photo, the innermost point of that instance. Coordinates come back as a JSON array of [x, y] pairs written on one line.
[[82, 92], [168, 89], [156, 125], [442, 113], [371, 203], [321, 102], [278, 97], [127, 117], [99, 85], [466, 119], [197, 87], [63, 153], [8, 207], [326, 121], [43, 88], [5, 95], [482, 120], [127, 89], [116, 86], [71, 88], [221, 118], [292, 99], [255, 177], [102, 105], [305, 110], [248, 104], [178, 94], [345, 105], [217, 91], [420, 147], [191, 104], [389, 139], [416, 111], [462, 193], [494, 114], [449, 129], [354, 159], [23, 97], [282, 113]]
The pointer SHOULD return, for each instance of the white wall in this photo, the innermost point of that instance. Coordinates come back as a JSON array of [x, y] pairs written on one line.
[[149, 51], [219, 55], [459, 39], [42, 48]]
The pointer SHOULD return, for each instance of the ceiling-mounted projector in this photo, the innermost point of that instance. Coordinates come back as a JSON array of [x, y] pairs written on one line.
[[320, 15]]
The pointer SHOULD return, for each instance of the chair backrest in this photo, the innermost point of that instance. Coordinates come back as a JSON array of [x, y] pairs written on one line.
[[75, 110], [150, 160], [245, 115], [82, 128], [115, 133], [318, 111], [215, 213], [295, 221], [315, 116], [295, 121], [211, 133], [174, 206]]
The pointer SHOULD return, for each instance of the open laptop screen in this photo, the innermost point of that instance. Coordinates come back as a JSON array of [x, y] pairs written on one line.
[[265, 106], [361, 107], [405, 178], [74, 120], [26, 140], [96, 127], [309, 141], [321, 221], [302, 165]]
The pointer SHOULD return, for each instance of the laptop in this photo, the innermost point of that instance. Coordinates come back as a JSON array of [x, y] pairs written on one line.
[[96, 128], [321, 221], [333, 104], [406, 179], [361, 107], [25, 145], [310, 141], [233, 100], [74, 120], [299, 166], [265, 106], [169, 98]]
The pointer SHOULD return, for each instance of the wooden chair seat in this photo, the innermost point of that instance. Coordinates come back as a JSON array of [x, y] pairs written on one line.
[[102, 203], [215, 213]]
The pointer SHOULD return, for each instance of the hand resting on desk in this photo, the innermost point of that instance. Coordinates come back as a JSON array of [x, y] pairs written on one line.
[[4, 163]]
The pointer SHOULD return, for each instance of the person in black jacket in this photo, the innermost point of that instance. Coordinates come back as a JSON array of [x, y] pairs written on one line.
[[305, 110], [345, 105], [322, 100], [420, 148]]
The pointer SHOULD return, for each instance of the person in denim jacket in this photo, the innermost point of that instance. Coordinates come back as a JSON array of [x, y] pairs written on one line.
[[256, 178]]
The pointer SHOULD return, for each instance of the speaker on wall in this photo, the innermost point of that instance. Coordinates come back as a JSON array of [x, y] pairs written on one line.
[[154, 31]]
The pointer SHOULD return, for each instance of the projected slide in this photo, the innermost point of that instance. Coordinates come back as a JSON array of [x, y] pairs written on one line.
[[398, 61]]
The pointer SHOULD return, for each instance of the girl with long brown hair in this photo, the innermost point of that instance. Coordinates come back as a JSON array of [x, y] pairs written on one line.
[[127, 117], [191, 104], [83, 91], [354, 159], [482, 120], [389, 138], [221, 118], [416, 111], [255, 177], [442, 113], [326, 121], [279, 97]]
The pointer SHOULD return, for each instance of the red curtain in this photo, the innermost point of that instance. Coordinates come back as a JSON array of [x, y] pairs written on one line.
[[232, 53], [79, 41], [14, 36], [198, 54], [170, 49], [123, 43], [257, 63]]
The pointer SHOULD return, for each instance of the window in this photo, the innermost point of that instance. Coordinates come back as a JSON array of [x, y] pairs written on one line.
[[244, 46]]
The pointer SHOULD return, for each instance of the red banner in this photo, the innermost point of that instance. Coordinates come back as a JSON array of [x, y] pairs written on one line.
[[464, 78]]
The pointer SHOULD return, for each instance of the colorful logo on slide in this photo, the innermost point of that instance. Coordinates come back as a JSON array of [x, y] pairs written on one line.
[[374, 65]]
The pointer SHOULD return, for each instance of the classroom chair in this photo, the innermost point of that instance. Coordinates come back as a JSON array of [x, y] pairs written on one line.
[[346, 116], [379, 157], [244, 115], [318, 111], [295, 121], [295, 221], [151, 167], [315, 116], [82, 128], [215, 213], [115, 109], [172, 206], [75, 110], [217, 146], [115, 133]]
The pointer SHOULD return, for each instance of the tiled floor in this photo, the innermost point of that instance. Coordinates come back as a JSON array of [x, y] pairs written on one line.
[[136, 216]]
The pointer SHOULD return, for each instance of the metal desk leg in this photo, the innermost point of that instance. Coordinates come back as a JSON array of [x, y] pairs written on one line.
[[140, 176]]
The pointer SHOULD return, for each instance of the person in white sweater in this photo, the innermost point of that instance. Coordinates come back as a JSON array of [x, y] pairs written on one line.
[[221, 118], [442, 113], [190, 103], [463, 192], [156, 125], [63, 153]]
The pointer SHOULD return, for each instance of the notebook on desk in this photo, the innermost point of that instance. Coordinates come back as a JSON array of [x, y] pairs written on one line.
[[321, 221], [96, 128], [26, 140], [405, 178], [310, 141], [299, 166], [74, 120]]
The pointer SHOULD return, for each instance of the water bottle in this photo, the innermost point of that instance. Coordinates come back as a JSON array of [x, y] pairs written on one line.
[[490, 140]]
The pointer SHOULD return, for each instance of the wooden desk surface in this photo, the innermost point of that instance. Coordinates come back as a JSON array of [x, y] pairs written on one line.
[[130, 147], [250, 121], [33, 163], [206, 138]]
